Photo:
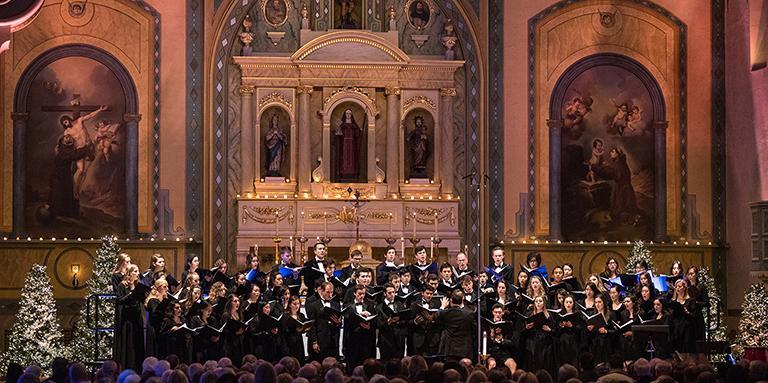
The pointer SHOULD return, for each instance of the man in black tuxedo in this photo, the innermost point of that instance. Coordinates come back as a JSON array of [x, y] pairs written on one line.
[[324, 335], [459, 329], [388, 266], [499, 267], [359, 331], [425, 339], [392, 330], [355, 258], [421, 268], [462, 267], [315, 268]]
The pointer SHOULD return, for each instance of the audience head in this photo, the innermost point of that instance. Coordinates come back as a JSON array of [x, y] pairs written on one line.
[[78, 373]]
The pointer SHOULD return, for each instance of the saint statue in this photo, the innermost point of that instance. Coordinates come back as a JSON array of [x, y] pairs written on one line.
[[348, 148], [276, 141], [418, 142]]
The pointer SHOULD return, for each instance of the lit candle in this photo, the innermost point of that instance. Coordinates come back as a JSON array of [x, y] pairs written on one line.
[[485, 343], [436, 223], [431, 249], [414, 225], [402, 247], [302, 223], [325, 224], [390, 225], [277, 223]]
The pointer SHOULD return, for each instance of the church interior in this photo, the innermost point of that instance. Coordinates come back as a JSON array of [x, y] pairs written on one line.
[[227, 129]]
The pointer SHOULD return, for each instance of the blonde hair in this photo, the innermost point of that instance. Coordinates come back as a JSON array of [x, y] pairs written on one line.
[[189, 301], [127, 275], [530, 286], [122, 262], [674, 292], [216, 288], [154, 293]]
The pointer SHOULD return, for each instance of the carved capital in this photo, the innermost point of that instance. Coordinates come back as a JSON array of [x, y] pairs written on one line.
[[392, 91], [246, 90], [305, 89], [131, 117], [555, 124], [19, 116], [448, 92]]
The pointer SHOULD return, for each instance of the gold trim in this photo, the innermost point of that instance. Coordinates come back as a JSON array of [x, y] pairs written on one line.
[[351, 90], [267, 215], [246, 90], [276, 97], [422, 100], [442, 215], [448, 92], [308, 89], [392, 90]]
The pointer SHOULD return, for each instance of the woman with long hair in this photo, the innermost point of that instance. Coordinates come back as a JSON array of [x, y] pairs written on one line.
[[590, 294], [539, 345], [205, 347], [645, 301], [684, 311], [570, 278], [569, 331], [175, 340], [292, 337], [630, 315], [129, 325], [646, 280], [617, 303], [601, 342], [156, 302], [121, 267], [612, 268], [699, 293], [191, 302], [595, 279], [232, 339]]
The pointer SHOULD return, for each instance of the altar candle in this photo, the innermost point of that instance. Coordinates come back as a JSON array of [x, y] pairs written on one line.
[[402, 247], [390, 225], [277, 223], [414, 226], [256, 246], [485, 343], [325, 224], [302, 223], [431, 248], [436, 224]]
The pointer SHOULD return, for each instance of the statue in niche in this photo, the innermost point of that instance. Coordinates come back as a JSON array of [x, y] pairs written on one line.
[[276, 142], [419, 14], [350, 14], [348, 135], [418, 143]]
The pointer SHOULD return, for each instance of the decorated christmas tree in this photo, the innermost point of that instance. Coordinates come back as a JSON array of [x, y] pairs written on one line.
[[640, 253], [715, 333], [36, 335], [753, 326], [82, 346]]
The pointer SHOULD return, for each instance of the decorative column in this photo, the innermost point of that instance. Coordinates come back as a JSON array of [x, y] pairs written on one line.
[[393, 122], [305, 154], [248, 149], [446, 146], [131, 172], [19, 131], [660, 147], [555, 126]]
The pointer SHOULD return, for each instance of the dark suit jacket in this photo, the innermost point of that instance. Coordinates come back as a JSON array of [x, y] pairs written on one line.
[[425, 338], [324, 332], [310, 274], [359, 343], [458, 332], [391, 335]]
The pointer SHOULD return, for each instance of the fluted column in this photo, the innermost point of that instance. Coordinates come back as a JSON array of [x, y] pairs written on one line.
[[393, 122], [131, 172], [304, 154], [19, 131], [447, 166], [660, 138], [555, 127], [248, 150]]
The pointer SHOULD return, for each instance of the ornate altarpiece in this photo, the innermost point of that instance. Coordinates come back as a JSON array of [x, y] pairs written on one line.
[[368, 71]]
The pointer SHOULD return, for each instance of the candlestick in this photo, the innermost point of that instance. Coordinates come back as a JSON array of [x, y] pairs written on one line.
[[431, 249], [402, 247], [325, 224], [277, 223], [302, 223]]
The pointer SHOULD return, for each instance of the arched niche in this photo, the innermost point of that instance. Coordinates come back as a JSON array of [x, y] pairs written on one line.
[[287, 126], [431, 131], [596, 193], [334, 106]]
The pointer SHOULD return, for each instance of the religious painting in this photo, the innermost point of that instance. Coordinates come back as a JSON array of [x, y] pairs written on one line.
[[419, 13], [275, 12], [348, 14], [419, 129], [349, 143], [74, 151], [608, 159], [275, 126]]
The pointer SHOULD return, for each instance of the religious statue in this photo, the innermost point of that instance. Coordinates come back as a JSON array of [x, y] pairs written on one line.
[[246, 37], [348, 137], [418, 142], [449, 40], [275, 12], [348, 19], [276, 142]]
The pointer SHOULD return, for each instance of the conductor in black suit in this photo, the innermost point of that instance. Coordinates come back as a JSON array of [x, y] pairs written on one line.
[[324, 335], [459, 329]]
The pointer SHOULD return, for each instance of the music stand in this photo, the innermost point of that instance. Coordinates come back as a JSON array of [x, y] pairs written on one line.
[[655, 337]]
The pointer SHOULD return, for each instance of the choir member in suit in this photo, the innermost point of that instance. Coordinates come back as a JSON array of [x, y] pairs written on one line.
[[314, 269], [155, 304], [569, 332], [205, 346], [387, 267], [123, 261], [392, 328], [421, 268], [683, 318], [600, 336], [446, 276], [499, 267], [324, 335], [406, 287], [355, 258], [471, 296], [626, 338], [232, 338], [425, 340], [462, 267], [500, 340], [176, 341], [363, 277], [359, 330], [537, 338], [129, 327], [292, 336], [484, 284], [459, 328]]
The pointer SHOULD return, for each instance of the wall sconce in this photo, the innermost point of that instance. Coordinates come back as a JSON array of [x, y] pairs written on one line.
[[74, 268]]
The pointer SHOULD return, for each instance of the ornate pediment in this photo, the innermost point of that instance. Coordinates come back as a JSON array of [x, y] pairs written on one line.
[[351, 46]]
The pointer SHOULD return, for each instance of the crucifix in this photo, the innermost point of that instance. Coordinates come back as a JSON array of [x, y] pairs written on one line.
[[74, 107], [356, 204]]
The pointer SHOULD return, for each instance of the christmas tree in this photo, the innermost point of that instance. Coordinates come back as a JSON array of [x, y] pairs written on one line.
[[753, 326], [82, 346], [640, 253], [716, 333], [36, 335]]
